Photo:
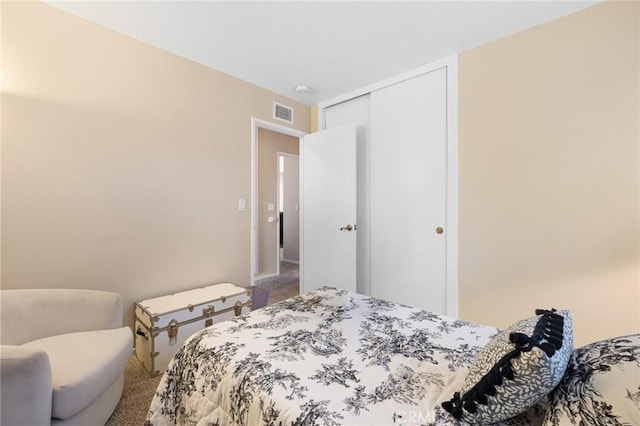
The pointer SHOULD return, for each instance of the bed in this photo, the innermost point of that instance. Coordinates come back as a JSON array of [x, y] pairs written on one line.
[[328, 357]]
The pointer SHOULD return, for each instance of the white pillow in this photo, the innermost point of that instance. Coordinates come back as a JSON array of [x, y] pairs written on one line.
[[601, 385]]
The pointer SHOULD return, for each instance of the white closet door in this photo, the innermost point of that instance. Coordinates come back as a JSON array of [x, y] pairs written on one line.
[[408, 192], [356, 111]]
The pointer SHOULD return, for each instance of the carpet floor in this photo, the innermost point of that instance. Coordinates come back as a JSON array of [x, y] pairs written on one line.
[[282, 286], [139, 386]]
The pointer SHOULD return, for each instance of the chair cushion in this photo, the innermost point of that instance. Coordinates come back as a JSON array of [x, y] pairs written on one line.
[[83, 365]]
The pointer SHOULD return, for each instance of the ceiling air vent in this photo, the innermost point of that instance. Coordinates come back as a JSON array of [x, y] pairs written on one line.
[[282, 112]]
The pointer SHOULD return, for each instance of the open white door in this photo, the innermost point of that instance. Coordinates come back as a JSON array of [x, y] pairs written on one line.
[[328, 209]]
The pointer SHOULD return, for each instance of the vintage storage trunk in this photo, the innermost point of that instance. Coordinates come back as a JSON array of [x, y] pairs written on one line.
[[164, 323]]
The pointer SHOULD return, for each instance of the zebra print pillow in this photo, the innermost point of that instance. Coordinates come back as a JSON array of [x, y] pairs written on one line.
[[517, 368], [601, 386]]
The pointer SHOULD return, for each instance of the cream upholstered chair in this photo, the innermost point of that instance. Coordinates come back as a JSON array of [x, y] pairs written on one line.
[[62, 356]]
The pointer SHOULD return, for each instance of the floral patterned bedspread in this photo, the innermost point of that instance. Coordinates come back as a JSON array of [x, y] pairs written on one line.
[[328, 357]]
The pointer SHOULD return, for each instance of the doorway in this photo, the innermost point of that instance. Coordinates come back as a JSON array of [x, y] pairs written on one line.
[[289, 208], [270, 143]]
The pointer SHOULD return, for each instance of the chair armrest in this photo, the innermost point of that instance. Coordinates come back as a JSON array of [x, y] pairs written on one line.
[[26, 391]]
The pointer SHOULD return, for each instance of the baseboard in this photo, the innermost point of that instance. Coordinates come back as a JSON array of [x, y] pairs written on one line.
[[266, 275]]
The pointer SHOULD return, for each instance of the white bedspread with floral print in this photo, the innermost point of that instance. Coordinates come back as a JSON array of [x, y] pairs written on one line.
[[328, 357]]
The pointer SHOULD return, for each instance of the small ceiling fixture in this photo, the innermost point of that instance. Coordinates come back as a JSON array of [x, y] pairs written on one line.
[[302, 89]]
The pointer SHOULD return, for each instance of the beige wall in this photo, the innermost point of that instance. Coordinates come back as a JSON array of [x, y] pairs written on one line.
[[549, 183], [314, 118], [122, 164], [269, 144], [291, 208]]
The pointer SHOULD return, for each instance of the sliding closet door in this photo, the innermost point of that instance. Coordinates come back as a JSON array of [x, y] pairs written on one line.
[[408, 191]]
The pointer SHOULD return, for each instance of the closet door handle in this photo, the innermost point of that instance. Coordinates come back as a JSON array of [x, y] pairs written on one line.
[[348, 228]]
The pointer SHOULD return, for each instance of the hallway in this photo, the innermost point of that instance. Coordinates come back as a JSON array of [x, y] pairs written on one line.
[[283, 286]]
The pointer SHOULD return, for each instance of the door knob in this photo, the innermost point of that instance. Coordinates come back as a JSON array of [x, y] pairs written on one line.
[[439, 230], [348, 228]]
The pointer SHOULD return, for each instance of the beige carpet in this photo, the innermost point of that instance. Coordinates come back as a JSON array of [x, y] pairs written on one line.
[[139, 386], [283, 286]]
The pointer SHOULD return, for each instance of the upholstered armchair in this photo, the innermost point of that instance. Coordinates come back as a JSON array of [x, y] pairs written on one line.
[[62, 356]]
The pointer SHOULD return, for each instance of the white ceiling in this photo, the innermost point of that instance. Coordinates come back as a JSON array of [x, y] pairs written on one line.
[[334, 47]]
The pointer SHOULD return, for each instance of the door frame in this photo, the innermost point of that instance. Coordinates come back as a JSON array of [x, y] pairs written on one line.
[[257, 123], [451, 65]]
